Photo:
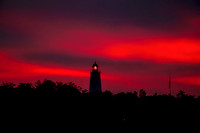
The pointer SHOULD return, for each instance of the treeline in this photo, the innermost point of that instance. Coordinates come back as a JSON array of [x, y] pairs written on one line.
[[51, 89], [66, 106]]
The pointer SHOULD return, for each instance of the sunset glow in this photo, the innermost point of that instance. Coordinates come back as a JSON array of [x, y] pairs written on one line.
[[179, 50], [134, 48]]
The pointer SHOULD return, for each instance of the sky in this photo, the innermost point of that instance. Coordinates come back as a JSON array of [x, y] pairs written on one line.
[[137, 44]]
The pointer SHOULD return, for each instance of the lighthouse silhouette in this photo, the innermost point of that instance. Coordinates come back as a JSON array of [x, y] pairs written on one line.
[[95, 79]]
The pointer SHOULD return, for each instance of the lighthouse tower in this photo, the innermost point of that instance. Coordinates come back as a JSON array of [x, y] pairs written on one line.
[[95, 79]]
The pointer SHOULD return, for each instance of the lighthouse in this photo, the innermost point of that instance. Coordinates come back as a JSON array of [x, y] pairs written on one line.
[[95, 79]]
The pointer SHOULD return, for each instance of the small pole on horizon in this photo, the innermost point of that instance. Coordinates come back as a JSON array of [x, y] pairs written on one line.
[[170, 85]]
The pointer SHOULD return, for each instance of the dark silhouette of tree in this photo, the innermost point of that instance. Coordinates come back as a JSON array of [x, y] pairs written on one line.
[[25, 89], [38, 83], [142, 93], [135, 93], [107, 93], [181, 94], [69, 89], [7, 88], [9, 85], [46, 88], [155, 94], [83, 91]]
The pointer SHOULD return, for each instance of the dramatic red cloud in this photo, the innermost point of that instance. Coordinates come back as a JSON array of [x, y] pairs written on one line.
[[179, 50], [11, 68], [16, 69], [85, 39]]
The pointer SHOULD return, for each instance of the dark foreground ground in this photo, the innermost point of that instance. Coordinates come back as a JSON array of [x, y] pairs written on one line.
[[95, 113]]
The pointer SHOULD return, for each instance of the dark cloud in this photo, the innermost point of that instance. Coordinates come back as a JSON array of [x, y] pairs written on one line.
[[58, 59], [158, 14], [144, 67], [14, 38], [183, 69]]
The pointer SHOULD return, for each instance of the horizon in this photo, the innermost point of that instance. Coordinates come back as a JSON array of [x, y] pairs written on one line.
[[34, 84], [137, 44]]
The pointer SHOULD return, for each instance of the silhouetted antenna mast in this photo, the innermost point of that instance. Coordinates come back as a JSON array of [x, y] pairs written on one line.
[[170, 85]]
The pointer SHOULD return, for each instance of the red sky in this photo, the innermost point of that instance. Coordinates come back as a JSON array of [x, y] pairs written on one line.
[[137, 44]]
